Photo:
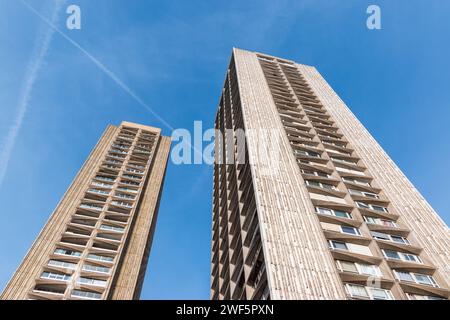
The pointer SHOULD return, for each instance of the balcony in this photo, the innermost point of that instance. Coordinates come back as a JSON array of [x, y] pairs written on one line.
[[129, 183], [90, 206], [127, 190], [121, 146], [86, 295], [386, 226], [433, 293], [131, 176], [122, 204], [100, 184], [99, 191], [134, 171], [118, 151], [105, 178], [347, 237]]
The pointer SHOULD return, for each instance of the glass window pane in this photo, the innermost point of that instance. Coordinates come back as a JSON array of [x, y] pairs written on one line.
[[341, 214], [391, 254], [362, 205], [324, 211], [379, 294], [350, 230], [348, 266], [422, 278], [356, 290], [312, 183], [379, 235], [399, 239], [410, 257], [339, 245], [368, 269], [405, 276], [378, 208]]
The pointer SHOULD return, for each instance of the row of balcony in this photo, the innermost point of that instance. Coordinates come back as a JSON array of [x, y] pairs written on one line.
[[309, 127], [235, 275]]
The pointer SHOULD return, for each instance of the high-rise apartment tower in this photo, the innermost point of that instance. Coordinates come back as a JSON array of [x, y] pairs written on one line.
[[323, 213], [97, 242]]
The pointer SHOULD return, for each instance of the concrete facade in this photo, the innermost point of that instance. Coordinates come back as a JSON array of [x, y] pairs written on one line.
[[317, 210], [97, 241]]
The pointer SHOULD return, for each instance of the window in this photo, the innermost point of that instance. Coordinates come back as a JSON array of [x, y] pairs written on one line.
[[363, 193], [67, 252], [55, 276], [50, 289], [122, 203], [404, 276], [313, 183], [369, 269], [100, 258], [340, 169], [62, 264], [98, 191], [338, 151], [324, 211], [307, 153], [127, 189], [91, 206], [390, 254], [320, 185], [360, 291], [378, 208], [342, 214], [425, 279], [364, 205], [415, 277], [410, 257], [337, 245], [382, 222], [136, 166], [86, 294], [104, 178], [356, 181], [128, 182], [370, 220], [380, 294], [315, 173], [350, 230], [343, 160], [131, 176], [360, 268], [388, 237], [412, 296], [91, 281], [357, 290], [399, 239], [347, 266], [380, 236], [101, 184], [124, 196], [112, 228], [332, 212], [88, 267]]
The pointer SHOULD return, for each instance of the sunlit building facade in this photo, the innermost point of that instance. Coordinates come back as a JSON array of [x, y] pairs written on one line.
[[323, 213]]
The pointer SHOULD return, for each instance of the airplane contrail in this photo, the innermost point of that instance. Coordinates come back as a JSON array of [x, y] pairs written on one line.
[[41, 48]]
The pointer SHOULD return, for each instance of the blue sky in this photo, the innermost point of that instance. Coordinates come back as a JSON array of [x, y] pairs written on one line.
[[173, 55]]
